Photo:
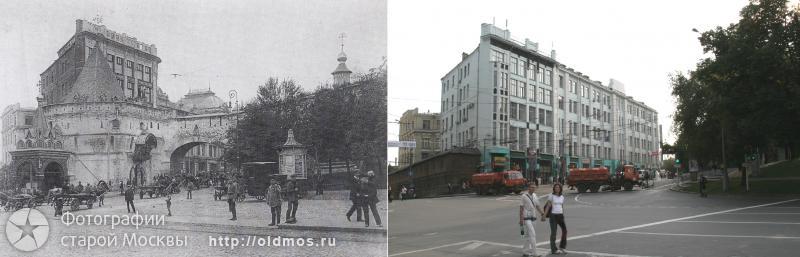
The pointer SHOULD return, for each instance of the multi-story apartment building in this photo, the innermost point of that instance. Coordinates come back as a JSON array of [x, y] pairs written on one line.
[[508, 99], [422, 128]]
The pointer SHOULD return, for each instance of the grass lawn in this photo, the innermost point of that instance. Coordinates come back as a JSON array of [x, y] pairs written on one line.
[[784, 169], [756, 187]]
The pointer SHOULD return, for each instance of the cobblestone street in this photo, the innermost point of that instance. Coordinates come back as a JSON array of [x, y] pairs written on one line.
[[202, 218]]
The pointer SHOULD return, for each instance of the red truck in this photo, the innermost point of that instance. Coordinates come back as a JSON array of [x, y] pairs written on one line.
[[592, 179], [499, 182]]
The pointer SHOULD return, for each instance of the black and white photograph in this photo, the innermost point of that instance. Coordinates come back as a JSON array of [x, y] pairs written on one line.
[[594, 128], [193, 128]]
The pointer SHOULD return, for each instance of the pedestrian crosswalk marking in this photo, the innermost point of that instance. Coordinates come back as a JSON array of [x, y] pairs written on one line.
[[706, 235]]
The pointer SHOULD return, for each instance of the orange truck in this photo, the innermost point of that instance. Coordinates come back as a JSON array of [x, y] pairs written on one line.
[[498, 182], [593, 179]]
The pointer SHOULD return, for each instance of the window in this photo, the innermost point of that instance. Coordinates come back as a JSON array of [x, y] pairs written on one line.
[[531, 114], [540, 74], [426, 124], [514, 110], [548, 97], [560, 81], [111, 58], [561, 102], [531, 73], [118, 67], [514, 65], [139, 71], [541, 117], [498, 56], [129, 68], [148, 76], [548, 77], [130, 87], [28, 120], [549, 118], [531, 92], [540, 96]]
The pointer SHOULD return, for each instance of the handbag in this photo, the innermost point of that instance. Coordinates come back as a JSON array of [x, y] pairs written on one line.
[[548, 208]]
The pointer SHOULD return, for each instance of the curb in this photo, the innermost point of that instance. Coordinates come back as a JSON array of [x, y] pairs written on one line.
[[335, 229], [261, 230]]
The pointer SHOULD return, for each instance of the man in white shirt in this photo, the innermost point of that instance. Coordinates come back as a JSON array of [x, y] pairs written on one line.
[[529, 203]]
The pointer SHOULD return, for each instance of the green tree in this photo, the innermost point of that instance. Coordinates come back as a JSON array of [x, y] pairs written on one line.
[[748, 90]]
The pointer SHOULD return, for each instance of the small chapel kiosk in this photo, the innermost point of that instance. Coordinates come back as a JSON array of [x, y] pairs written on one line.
[[292, 158]]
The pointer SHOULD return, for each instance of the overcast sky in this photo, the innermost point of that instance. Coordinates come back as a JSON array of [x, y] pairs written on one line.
[[227, 44], [636, 42]]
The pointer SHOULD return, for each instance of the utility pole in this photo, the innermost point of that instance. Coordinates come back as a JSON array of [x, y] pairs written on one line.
[[724, 164]]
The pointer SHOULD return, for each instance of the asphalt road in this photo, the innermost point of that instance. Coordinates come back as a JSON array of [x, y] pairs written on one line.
[[652, 222]]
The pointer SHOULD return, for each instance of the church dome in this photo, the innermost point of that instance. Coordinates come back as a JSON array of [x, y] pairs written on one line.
[[342, 57], [202, 102]]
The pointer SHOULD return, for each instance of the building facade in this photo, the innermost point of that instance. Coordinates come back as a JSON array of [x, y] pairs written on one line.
[[520, 107], [422, 128], [96, 98]]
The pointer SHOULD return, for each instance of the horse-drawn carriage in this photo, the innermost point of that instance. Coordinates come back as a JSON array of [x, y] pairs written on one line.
[[258, 175], [74, 201], [159, 190], [19, 201]]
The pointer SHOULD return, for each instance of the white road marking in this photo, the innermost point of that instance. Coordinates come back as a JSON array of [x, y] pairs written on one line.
[[471, 246], [548, 250], [767, 213], [430, 249], [738, 222], [579, 201], [668, 221], [705, 235], [430, 234]]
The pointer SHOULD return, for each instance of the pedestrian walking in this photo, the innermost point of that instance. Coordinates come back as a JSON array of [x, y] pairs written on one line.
[[59, 206], [129, 199], [355, 199], [233, 188], [403, 192], [121, 188], [390, 194], [370, 199], [320, 183], [274, 201], [189, 188], [292, 197], [554, 208], [169, 205], [702, 186], [528, 207]]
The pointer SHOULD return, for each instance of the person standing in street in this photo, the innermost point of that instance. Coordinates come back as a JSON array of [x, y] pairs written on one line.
[[292, 196], [371, 199], [390, 194], [403, 192], [189, 188], [121, 188], [528, 207], [355, 199], [169, 205], [233, 187], [274, 201], [129, 199], [702, 186], [555, 202], [320, 182]]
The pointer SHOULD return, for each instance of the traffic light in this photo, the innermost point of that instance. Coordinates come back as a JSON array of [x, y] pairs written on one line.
[[677, 161]]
